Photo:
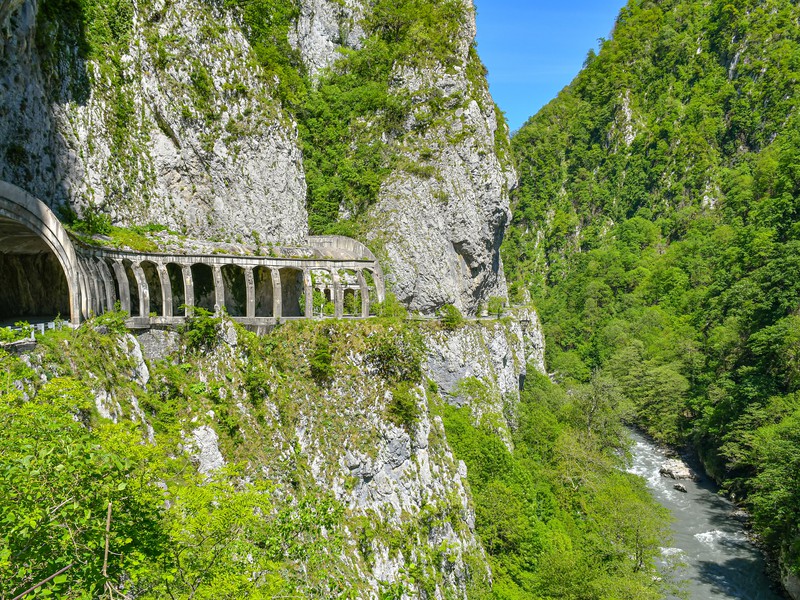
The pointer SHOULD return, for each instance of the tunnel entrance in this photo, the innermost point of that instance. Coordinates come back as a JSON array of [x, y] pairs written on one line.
[[33, 286]]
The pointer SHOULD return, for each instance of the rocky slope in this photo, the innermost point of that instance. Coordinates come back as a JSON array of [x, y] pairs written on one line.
[[368, 431], [178, 113]]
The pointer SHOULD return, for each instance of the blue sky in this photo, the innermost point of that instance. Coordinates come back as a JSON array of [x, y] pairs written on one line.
[[533, 48]]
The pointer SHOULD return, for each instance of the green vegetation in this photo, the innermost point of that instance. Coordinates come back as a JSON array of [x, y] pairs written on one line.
[[202, 330], [22, 331], [175, 531], [496, 306], [664, 183], [450, 317], [557, 515]]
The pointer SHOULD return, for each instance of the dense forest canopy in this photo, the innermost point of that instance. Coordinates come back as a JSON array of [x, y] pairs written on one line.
[[656, 227]]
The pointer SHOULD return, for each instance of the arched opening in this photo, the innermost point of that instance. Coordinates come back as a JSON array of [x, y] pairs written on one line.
[[133, 285], [175, 274], [153, 281], [322, 284], [204, 293], [352, 302], [351, 292], [292, 293], [34, 286], [262, 278], [369, 279], [235, 290]]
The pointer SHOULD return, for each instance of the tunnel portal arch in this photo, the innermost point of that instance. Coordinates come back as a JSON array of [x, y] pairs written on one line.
[[19, 208]]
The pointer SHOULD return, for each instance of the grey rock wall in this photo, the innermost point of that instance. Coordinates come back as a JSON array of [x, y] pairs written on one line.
[[325, 26], [496, 354], [439, 226], [201, 145], [442, 233]]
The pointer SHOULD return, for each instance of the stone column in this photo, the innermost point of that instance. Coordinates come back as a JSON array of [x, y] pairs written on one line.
[[166, 290], [144, 290], [109, 281], [309, 292], [188, 288], [219, 287], [362, 283], [277, 294], [250, 284], [95, 304], [124, 288], [338, 294]]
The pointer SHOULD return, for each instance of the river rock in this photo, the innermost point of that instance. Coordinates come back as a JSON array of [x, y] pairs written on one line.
[[680, 487], [675, 468]]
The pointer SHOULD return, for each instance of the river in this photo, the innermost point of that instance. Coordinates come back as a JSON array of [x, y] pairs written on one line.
[[718, 560]]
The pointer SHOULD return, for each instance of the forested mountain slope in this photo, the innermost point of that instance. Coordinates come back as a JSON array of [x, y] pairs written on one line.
[[656, 225]]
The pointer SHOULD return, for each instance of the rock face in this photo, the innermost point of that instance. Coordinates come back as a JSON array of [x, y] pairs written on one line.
[[322, 28], [483, 366], [185, 132], [164, 116], [440, 225], [442, 233]]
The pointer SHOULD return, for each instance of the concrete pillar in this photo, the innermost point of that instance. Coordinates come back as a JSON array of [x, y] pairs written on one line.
[[102, 290], [111, 294], [362, 283], [338, 294], [309, 293], [124, 288], [86, 296], [219, 287], [166, 290], [250, 284], [188, 288], [95, 286], [277, 294], [144, 290]]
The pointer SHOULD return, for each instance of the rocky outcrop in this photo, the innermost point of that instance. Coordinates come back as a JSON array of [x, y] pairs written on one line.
[[675, 468], [440, 218], [172, 123], [441, 225], [323, 27], [483, 365]]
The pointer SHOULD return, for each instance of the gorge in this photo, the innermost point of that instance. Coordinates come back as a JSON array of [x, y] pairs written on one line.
[[302, 277]]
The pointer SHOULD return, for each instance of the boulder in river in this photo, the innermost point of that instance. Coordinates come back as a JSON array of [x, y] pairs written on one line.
[[680, 487], [675, 468]]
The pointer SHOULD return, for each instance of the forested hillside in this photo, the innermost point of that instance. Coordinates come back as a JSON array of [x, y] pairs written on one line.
[[656, 226]]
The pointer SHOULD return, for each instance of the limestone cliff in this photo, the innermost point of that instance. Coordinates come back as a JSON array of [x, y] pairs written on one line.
[[439, 218], [154, 112], [178, 113]]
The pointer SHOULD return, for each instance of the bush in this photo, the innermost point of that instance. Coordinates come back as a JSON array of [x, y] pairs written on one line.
[[390, 308], [321, 361], [23, 332], [403, 409], [114, 320], [397, 355], [202, 329], [451, 318], [496, 306]]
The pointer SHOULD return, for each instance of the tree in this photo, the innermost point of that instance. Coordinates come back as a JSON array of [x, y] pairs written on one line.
[[450, 317], [496, 305]]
